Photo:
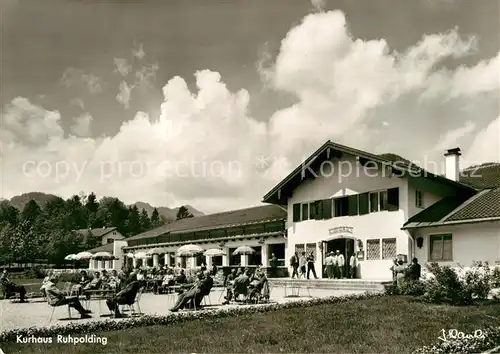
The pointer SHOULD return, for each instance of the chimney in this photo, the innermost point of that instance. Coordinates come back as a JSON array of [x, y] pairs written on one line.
[[452, 164]]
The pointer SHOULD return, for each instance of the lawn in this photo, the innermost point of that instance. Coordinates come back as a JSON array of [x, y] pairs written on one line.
[[383, 325]]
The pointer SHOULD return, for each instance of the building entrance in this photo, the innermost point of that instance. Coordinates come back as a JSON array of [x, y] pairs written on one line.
[[346, 247]]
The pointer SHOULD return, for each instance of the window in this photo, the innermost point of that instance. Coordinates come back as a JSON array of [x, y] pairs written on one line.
[[441, 247], [374, 204], [372, 249], [419, 199], [305, 211], [341, 206], [393, 199], [316, 210], [383, 200], [388, 248]]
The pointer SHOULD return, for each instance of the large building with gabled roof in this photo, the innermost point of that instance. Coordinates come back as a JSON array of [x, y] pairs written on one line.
[[372, 207]]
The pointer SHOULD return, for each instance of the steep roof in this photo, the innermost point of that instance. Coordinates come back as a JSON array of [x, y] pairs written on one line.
[[99, 232], [399, 166], [217, 220], [484, 206]]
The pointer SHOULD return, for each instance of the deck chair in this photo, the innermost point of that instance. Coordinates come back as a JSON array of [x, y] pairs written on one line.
[[54, 308], [137, 301]]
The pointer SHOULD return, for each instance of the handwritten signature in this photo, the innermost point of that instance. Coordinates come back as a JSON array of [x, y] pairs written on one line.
[[454, 334]]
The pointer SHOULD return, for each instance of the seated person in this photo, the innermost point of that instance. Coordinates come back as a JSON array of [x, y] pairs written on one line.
[[189, 295], [141, 275], [213, 270], [258, 285], [205, 287], [45, 281], [11, 287], [114, 281], [57, 298], [124, 297], [181, 278], [240, 286], [228, 284], [167, 281], [84, 280], [94, 284]]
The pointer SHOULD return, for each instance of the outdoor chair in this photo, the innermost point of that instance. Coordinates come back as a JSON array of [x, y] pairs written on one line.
[[137, 301], [54, 308]]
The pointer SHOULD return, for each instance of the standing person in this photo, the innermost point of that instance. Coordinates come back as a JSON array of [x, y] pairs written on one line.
[[353, 265], [393, 269], [399, 271], [415, 270], [302, 265], [294, 263], [310, 266], [340, 260], [330, 265], [274, 265]]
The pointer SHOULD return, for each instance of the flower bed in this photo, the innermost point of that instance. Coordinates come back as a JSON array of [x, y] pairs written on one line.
[[151, 320], [489, 340]]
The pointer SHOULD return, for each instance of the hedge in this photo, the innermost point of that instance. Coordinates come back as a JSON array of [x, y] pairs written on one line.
[[171, 318], [489, 340]]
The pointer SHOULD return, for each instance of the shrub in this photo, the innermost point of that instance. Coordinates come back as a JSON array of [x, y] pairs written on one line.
[[391, 289], [478, 280], [69, 277], [489, 340], [413, 288], [446, 287], [37, 272]]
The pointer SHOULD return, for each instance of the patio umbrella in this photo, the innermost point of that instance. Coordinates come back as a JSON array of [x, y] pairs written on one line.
[[155, 251], [141, 255], [84, 255], [70, 257], [214, 252], [189, 251], [103, 256], [244, 250], [129, 255]]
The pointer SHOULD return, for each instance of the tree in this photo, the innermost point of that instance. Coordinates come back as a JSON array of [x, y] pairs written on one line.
[[133, 225], [91, 207], [31, 211], [155, 219], [183, 213], [145, 221]]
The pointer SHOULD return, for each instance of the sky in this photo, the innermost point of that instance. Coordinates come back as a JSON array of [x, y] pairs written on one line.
[[212, 103]]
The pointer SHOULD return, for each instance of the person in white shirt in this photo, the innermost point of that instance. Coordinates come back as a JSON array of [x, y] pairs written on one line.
[[353, 265], [330, 265], [340, 263]]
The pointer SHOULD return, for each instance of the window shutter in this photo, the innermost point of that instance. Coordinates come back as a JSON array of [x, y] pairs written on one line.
[[327, 209], [364, 203], [319, 209], [312, 211], [352, 202], [296, 212], [393, 199]]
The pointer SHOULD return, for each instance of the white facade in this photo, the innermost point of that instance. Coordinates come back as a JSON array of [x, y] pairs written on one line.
[[111, 236], [350, 177], [470, 242]]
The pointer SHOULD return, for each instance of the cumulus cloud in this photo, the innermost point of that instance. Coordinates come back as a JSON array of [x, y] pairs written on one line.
[[75, 77], [319, 5], [122, 66], [81, 125], [138, 52], [452, 138], [205, 149], [485, 146], [146, 75], [78, 102], [124, 94]]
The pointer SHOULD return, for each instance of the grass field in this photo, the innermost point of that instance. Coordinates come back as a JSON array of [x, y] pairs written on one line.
[[384, 325]]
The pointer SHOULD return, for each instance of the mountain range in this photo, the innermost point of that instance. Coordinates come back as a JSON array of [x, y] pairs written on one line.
[[169, 214]]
